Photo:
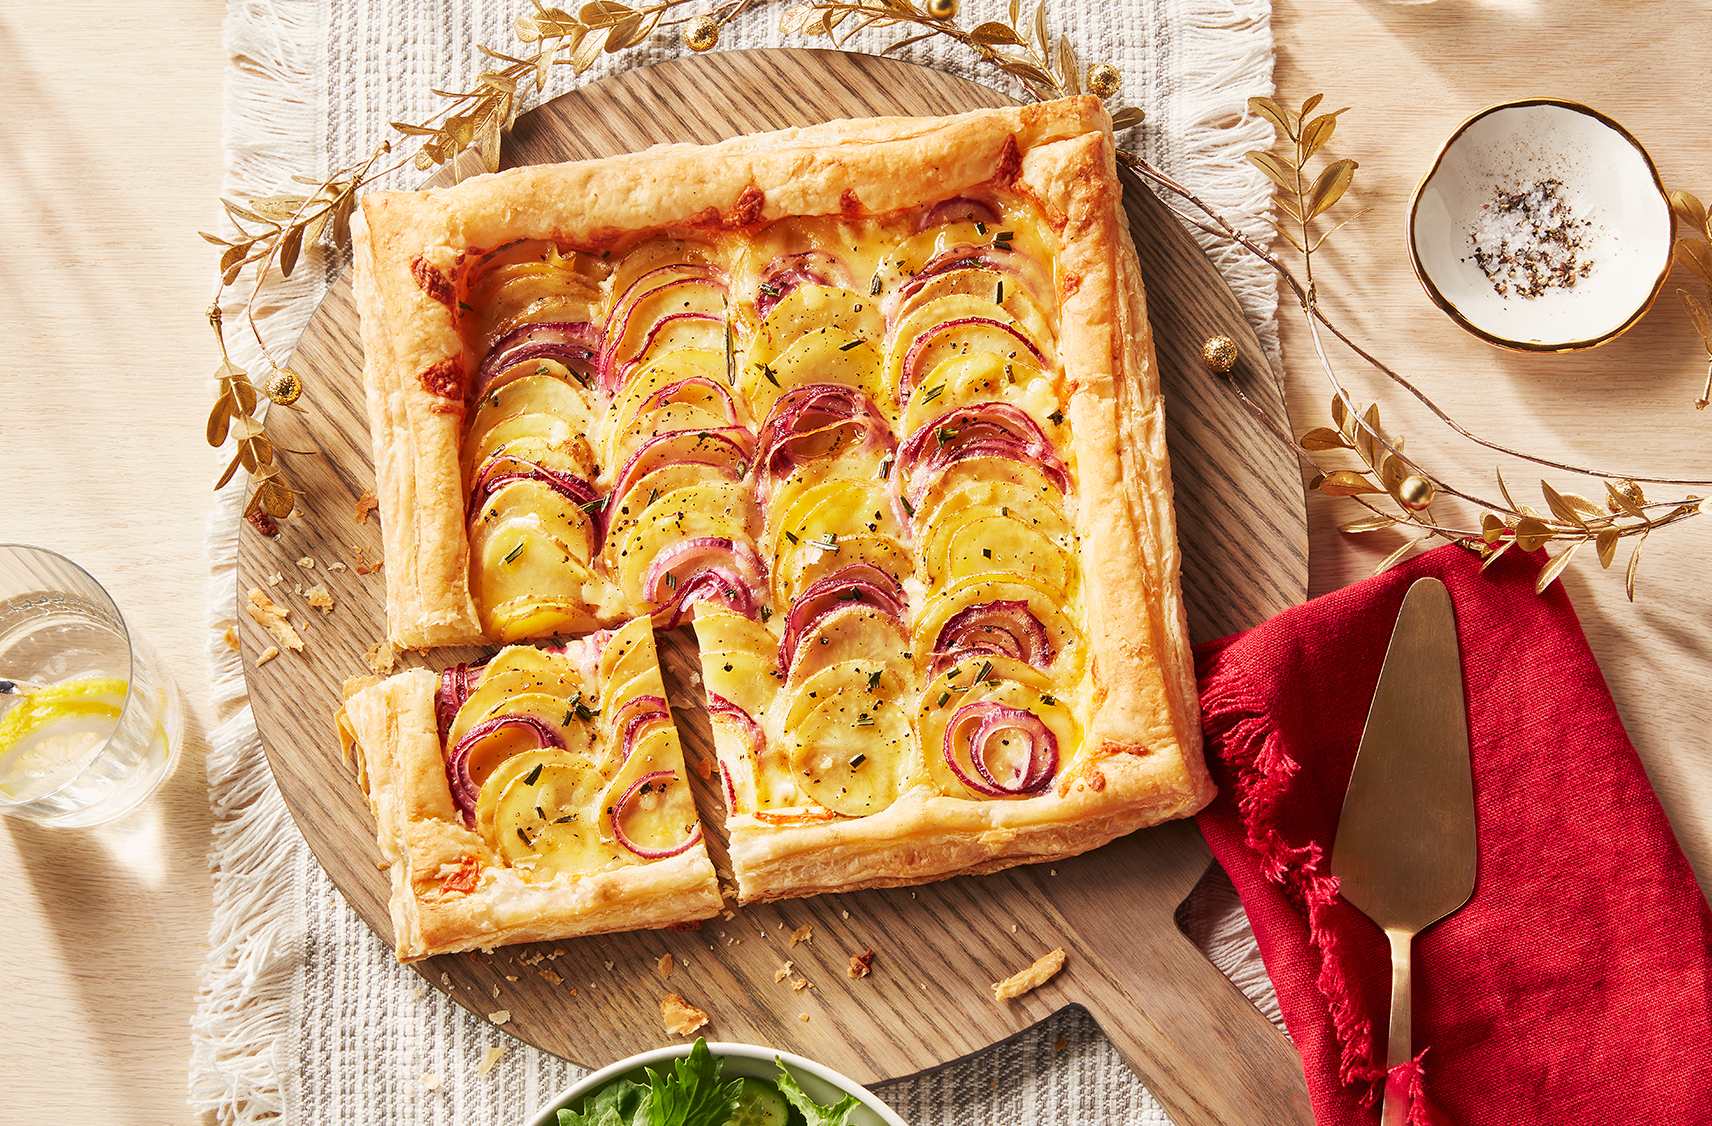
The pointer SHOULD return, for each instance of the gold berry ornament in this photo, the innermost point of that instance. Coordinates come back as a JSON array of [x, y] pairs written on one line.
[[283, 387], [1219, 354], [1104, 80], [942, 9], [1416, 492], [702, 34]]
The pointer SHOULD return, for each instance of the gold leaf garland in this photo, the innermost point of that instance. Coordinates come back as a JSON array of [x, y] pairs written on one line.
[[274, 232]]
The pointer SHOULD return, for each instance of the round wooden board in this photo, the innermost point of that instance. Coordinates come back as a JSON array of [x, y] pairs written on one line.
[[1197, 1043]]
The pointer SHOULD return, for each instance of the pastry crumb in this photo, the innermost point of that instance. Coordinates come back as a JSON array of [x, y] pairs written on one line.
[[362, 566], [801, 984], [382, 657], [320, 597], [783, 972], [1063, 1042], [306, 563], [266, 655], [502, 1016], [552, 978], [275, 579], [432, 1080], [861, 965], [489, 1059], [664, 965], [365, 505], [1031, 978], [232, 638], [803, 1017], [272, 617], [804, 933], [681, 1017], [337, 567]]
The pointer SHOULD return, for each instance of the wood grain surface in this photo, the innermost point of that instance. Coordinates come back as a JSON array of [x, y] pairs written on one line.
[[1198, 1044]]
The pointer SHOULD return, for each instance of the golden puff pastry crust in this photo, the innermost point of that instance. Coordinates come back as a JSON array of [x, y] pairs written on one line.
[[1049, 170]]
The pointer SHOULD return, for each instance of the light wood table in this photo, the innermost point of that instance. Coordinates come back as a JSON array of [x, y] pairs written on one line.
[[114, 162]]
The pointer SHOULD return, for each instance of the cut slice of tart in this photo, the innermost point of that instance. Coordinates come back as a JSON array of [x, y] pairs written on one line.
[[542, 795]]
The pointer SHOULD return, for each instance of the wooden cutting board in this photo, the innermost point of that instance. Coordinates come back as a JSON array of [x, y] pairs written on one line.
[[1199, 1045]]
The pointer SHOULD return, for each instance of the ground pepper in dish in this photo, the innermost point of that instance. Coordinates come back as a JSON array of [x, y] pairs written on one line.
[[1529, 240]]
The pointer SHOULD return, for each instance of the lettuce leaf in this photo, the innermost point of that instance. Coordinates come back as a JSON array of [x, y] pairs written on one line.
[[838, 1114]]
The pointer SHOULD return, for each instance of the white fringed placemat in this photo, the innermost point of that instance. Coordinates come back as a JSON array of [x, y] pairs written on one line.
[[304, 1017]]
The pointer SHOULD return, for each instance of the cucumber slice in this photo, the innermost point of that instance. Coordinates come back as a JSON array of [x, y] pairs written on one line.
[[760, 1104]]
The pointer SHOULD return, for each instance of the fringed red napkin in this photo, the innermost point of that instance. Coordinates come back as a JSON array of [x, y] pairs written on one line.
[[1576, 985]]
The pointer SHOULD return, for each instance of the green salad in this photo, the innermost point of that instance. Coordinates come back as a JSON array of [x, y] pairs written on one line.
[[694, 1093]]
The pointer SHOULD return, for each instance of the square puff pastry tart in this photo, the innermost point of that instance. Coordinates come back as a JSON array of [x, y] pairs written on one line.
[[873, 404]]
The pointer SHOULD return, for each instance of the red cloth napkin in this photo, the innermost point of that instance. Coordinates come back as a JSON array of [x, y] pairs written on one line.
[[1576, 985]]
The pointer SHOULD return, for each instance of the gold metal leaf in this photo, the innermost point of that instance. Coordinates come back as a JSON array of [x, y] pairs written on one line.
[[1492, 527], [1288, 205], [1126, 118], [1317, 132], [1496, 553], [992, 32], [1504, 489], [1276, 170], [231, 469], [1697, 316], [604, 13], [794, 20], [219, 421], [1366, 434], [1333, 181], [587, 51], [1634, 562], [1550, 572], [1043, 40], [1371, 524], [276, 498], [1531, 532], [279, 208], [1606, 542], [1626, 503], [1308, 105], [1347, 483], [1560, 507], [624, 33], [1689, 209], [1340, 411], [289, 247], [1069, 66], [1323, 438], [1697, 256], [1397, 556], [1273, 112]]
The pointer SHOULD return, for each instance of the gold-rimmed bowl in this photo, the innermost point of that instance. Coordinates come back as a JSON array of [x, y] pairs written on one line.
[[1542, 226]]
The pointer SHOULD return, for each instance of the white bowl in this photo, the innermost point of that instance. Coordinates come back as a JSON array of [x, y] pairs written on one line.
[[1588, 180], [819, 1082]]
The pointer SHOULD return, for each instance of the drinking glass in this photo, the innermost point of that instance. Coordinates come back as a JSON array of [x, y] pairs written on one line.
[[89, 722]]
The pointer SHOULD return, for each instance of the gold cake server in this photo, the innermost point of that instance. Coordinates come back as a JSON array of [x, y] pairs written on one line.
[[1405, 850]]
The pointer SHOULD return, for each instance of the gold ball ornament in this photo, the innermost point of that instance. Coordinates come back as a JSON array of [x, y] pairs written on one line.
[[942, 9], [1416, 492], [283, 387], [1219, 354], [702, 34], [1104, 80]]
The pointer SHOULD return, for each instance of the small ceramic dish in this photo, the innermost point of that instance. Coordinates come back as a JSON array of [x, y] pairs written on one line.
[[1542, 226], [818, 1081]]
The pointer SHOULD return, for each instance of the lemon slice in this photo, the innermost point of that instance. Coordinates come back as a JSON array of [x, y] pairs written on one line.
[[51, 732]]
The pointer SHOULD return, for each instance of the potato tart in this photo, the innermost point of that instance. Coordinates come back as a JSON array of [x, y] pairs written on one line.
[[872, 406]]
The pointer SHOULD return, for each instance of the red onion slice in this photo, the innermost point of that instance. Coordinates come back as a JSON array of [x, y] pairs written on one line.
[[958, 209], [783, 275], [727, 446], [638, 716], [724, 712], [860, 583], [1007, 626], [641, 786], [613, 374], [572, 343], [456, 684], [1011, 751], [703, 568], [459, 773], [983, 430], [907, 377], [807, 410]]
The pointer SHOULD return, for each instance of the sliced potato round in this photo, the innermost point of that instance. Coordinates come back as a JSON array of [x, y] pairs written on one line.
[[662, 817], [533, 394], [973, 679], [553, 511], [546, 820], [565, 445], [982, 281], [512, 562], [818, 517], [953, 326], [748, 678], [718, 509], [1008, 483], [884, 678], [822, 355], [849, 632], [994, 543], [981, 377], [850, 752], [513, 768]]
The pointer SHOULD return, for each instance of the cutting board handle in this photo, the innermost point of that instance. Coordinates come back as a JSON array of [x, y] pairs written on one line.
[[1201, 1047]]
